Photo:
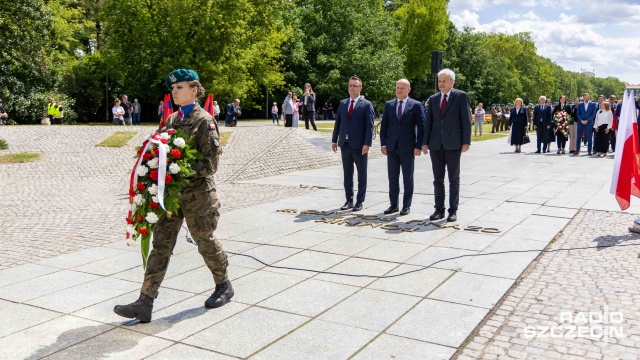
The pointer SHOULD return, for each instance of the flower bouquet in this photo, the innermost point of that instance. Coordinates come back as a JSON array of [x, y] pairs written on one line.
[[561, 123], [162, 169]]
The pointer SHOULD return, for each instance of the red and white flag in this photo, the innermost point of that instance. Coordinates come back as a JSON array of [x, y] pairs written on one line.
[[626, 176]]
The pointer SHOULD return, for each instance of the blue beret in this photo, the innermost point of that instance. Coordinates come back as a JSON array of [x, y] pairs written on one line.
[[180, 75]]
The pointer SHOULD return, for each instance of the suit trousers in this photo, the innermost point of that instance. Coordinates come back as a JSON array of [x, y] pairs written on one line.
[[310, 116], [541, 138], [450, 160], [288, 120], [349, 158], [397, 160], [588, 129], [612, 139], [573, 133]]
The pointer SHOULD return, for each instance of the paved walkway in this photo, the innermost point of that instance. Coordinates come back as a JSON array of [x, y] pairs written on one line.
[[60, 306]]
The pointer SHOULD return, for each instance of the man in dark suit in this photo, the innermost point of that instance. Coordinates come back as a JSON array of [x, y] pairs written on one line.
[[233, 111], [447, 134], [353, 132], [542, 118], [586, 116], [401, 133]]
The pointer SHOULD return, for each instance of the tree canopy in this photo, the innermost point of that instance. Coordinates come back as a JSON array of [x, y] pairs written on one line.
[[90, 52]]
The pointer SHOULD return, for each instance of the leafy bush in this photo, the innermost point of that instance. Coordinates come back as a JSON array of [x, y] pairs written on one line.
[[32, 108]]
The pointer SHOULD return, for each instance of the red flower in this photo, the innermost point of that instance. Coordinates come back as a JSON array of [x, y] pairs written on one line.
[[176, 153], [153, 205], [143, 231], [167, 179], [139, 218], [139, 151], [171, 132], [154, 175], [155, 151], [164, 141], [132, 192], [129, 218], [146, 156], [140, 186]]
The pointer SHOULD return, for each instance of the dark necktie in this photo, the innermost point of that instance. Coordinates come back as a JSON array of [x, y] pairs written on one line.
[[443, 105], [351, 107], [400, 110], [180, 114]]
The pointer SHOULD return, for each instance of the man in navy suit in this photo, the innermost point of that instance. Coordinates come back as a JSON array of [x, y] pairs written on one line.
[[447, 134], [586, 116], [401, 133], [542, 118], [353, 132], [233, 111]]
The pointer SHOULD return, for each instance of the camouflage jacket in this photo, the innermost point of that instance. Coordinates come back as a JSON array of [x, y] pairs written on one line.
[[204, 128]]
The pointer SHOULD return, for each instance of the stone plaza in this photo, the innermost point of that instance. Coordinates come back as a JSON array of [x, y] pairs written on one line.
[[540, 247]]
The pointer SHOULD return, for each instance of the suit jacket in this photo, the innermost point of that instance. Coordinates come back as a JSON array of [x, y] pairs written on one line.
[[311, 102], [519, 117], [359, 126], [452, 129], [589, 114], [407, 133], [542, 118], [231, 115], [287, 106]]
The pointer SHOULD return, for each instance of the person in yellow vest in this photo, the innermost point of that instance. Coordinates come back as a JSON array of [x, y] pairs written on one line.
[[58, 114], [50, 108]]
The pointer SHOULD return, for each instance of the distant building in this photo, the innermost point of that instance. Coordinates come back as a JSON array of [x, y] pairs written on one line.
[[588, 73], [635, 88]]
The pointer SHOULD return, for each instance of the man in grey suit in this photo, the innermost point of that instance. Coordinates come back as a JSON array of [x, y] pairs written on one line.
[[353, 133], [447, 134], [287, 110]]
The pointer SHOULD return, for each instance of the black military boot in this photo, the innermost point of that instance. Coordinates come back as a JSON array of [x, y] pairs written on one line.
[[139, 309], [222, 294]]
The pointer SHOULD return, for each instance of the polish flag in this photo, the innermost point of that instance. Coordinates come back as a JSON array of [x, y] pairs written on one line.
[[626, 176]]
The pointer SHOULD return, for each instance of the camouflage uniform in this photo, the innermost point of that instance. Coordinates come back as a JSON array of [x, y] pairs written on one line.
[[198, 205], [530, 116], [495, 119], [506, 110]]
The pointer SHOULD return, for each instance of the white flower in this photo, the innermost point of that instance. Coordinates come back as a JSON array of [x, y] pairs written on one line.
[[174, 168], [151, 218], [165, 136], [153, 190], [155, 199], [179, 142], [131, 230], [166, 148], [138, 199], [153, 163], [142, 170]]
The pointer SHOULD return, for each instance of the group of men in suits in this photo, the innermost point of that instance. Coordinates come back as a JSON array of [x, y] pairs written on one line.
[[406, 131]]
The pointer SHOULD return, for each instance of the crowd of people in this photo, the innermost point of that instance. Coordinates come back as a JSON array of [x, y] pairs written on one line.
[[581, 122], [126, 113]]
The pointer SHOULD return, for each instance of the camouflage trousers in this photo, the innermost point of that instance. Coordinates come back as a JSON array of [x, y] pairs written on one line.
[[201, 212]]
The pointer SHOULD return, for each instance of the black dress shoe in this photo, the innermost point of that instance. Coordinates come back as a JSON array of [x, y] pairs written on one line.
[[358, 207], [452, 217], [391, 209], [405, 211], [347, 205], [538, 152], [437, 215]]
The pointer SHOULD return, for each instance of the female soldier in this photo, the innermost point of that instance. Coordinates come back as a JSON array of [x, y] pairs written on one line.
[[198, 203]]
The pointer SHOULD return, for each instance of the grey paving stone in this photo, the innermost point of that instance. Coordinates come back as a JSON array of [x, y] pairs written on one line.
[[236, 246], [418, 283], [472, 289], [332, 228], [186, 318], [260, 285], [112, 265], [185, 352], [194, 281], [44, 285], [302, 239], [246, 332], [103, 311], [318, 340], [428, 235], [16, 317], [84, 295], [556, 212], [392, 251], [69, 261], [115, 344], [356, 266], [541, 228], [350, 244], [442, 258], [439, 322], [309, 260], [309, 298], [265, 253], [24, 272], [5, 304], [46, 338], [370, 309], [467, 240], [260, 236], [509, 265], [394, 347]]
